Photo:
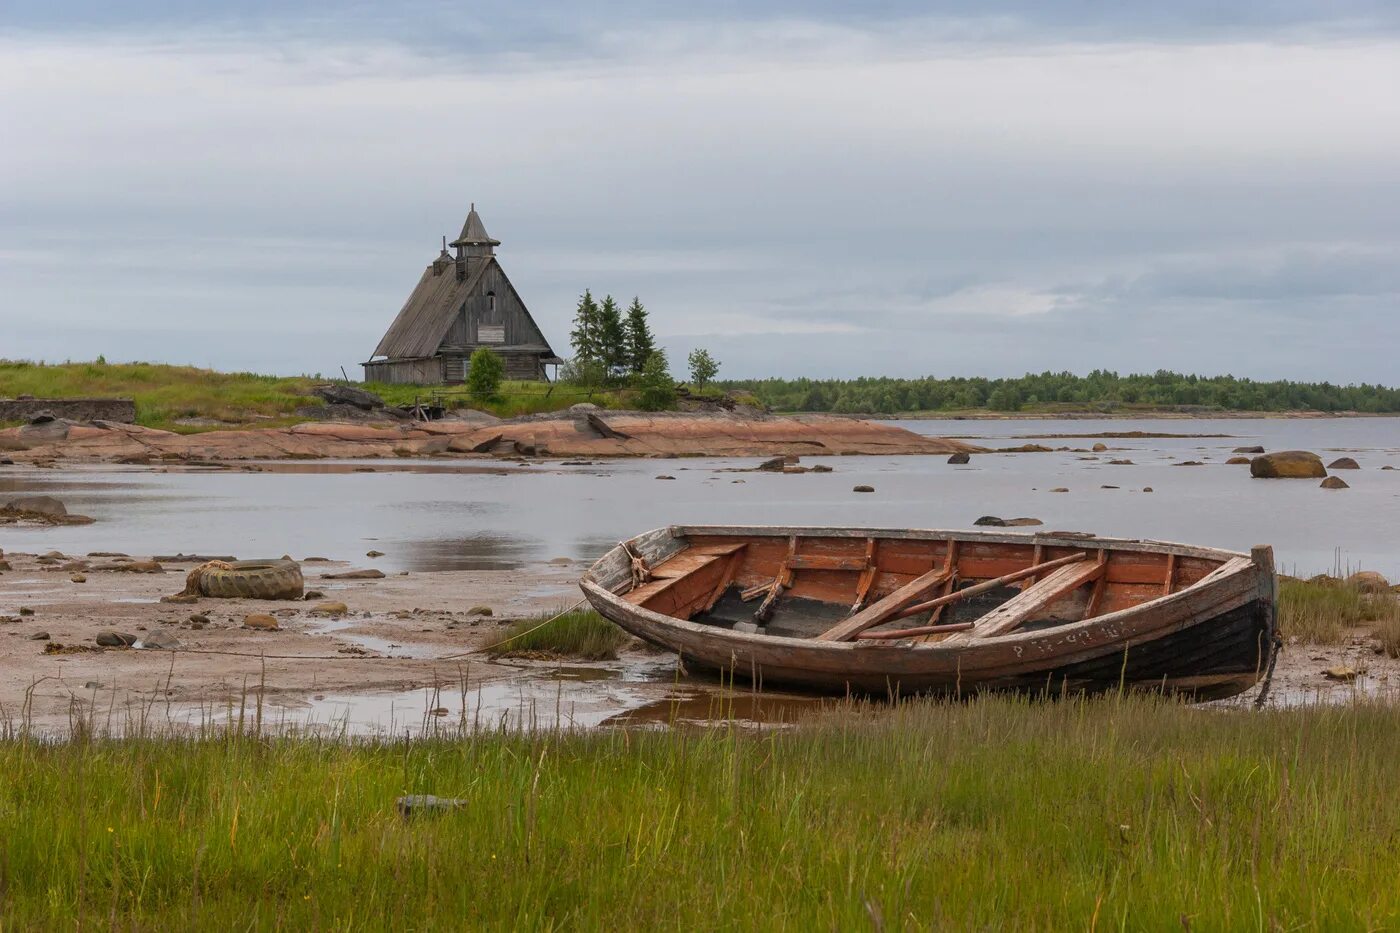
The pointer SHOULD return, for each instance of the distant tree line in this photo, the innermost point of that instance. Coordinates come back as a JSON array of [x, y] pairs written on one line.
[[1100, 389]]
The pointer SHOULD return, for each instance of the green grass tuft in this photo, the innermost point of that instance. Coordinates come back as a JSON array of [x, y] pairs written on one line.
[[579, 633]]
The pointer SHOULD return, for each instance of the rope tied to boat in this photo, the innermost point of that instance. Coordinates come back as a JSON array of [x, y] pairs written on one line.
[[641, 573], [1275, 647]]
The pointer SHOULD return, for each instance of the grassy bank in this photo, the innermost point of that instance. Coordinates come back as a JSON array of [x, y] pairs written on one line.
[[515, 398], [163, 394], [995, 814], [166, 395], [1331, 611]]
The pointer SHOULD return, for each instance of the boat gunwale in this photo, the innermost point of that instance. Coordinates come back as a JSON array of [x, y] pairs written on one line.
[[934, 649]]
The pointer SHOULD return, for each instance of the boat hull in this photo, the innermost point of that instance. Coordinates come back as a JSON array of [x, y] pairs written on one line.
[[1212, 639]]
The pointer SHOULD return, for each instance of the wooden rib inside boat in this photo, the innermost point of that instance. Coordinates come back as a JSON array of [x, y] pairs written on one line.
[[886, 611]]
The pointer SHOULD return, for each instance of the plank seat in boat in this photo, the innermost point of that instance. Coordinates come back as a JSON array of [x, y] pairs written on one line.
[[1030, 602], [668, 575]]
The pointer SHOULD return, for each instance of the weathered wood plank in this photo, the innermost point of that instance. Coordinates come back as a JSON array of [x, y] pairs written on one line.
[[878, 612], [987, 585], [825, 562], [1031, 601], [780, 583]]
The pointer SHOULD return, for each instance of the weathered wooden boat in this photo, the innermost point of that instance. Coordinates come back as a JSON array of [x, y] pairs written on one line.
[[953, 612]]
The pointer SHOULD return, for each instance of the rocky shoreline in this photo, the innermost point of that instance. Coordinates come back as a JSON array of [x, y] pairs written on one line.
[[584, 431]]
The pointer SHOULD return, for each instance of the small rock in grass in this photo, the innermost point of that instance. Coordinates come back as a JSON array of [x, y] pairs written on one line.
[[418, 804], [115, 639], [480, 611], [1334, 482], [862, 488], [260, 620]]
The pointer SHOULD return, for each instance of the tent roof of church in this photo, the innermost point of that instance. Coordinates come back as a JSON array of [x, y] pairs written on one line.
[[474, 232]]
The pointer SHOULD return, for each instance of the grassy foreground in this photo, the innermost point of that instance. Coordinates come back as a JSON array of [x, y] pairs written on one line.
[[994, 814]]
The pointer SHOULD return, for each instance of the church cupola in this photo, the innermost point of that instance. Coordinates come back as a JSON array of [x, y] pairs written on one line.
[[473, 243]]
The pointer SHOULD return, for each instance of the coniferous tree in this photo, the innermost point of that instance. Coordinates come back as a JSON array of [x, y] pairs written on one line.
[[640, 342], [585, 336], [612, 341]]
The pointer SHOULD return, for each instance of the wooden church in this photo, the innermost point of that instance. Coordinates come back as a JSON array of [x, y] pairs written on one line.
[[461, 303]]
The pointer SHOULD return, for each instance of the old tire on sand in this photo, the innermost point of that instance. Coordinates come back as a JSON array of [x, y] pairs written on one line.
[[254, 579]]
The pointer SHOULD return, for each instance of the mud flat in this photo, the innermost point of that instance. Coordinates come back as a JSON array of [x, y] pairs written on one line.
[[591, 433], [406, 653]]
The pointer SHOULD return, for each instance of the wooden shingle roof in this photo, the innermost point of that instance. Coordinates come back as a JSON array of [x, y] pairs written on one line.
[[426, 316]]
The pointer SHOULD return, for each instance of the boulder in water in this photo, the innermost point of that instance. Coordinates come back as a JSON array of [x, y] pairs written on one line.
[[1334, 482], [1287, 464], [1344, 463]]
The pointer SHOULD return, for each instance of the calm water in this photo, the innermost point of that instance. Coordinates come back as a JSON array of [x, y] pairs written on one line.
[[452, 517]]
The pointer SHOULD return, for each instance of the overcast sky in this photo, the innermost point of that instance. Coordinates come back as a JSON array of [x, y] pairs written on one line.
[[955, 188]]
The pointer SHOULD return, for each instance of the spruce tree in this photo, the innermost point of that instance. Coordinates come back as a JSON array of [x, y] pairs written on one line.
[[612, 348], [640, 342], [584, 336]]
